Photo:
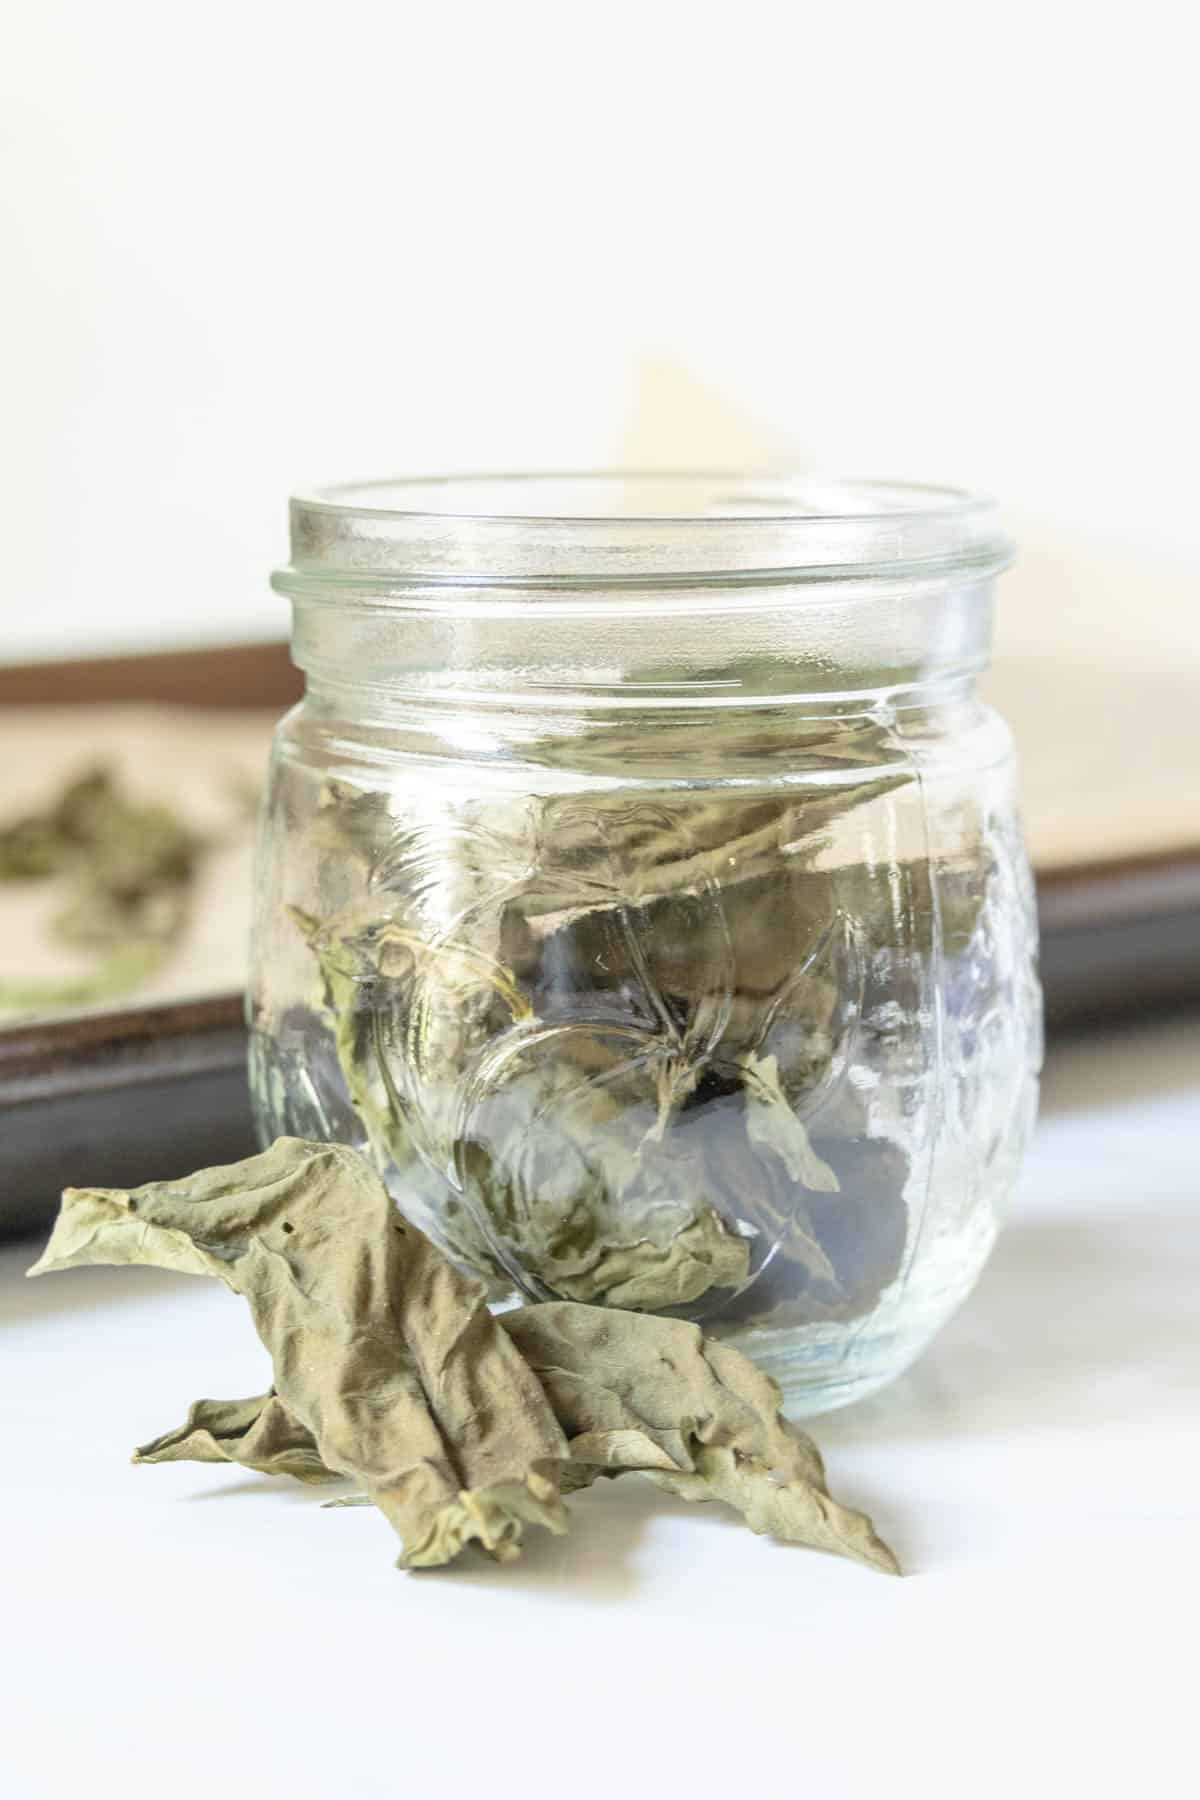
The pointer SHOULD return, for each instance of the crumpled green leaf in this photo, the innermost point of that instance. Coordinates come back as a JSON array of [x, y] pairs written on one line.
[[634, 1392], [382, 1350], [643, 1276], [576, 1221], [259, 1433]]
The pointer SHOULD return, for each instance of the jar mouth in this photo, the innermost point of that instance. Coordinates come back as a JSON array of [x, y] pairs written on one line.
[[638, 528]]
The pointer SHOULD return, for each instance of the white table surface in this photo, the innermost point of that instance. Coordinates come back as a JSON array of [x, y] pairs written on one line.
[[187, 1631]]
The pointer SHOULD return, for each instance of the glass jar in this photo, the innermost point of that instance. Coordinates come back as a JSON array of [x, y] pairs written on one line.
[[641, 888]]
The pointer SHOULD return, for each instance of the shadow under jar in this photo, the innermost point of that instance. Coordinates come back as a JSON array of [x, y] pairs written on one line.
[[641, 888]]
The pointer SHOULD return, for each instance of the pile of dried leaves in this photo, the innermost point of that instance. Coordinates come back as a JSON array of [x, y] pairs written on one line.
[[388, 1368]]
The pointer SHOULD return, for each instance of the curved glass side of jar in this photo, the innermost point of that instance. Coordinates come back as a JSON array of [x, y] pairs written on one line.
[[732, 1015]]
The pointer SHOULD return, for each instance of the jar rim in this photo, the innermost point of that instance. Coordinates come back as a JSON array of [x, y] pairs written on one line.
[[642, 528]]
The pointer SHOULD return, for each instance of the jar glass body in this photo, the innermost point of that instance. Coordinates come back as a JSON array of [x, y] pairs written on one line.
[[665, 937]]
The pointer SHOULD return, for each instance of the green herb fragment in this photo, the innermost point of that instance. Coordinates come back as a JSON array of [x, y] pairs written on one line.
[[772, 1123], [389, 1368], [602, 1218], [703, 1254], [259, 1434]]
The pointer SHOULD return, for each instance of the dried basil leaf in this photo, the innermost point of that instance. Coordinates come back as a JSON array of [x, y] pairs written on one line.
[[655, 1395], [259, 1434], [127, 870], [592, 1214], [772, 1123], [381, 1349], [644, 1276]]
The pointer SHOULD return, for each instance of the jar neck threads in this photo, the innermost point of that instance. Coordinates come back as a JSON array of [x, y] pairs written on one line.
[[756, 591]]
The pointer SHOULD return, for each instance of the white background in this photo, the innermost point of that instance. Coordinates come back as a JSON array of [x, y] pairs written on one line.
[[246, 246]]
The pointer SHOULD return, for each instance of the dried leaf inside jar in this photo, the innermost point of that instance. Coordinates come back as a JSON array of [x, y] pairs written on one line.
[[594, 1037]]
